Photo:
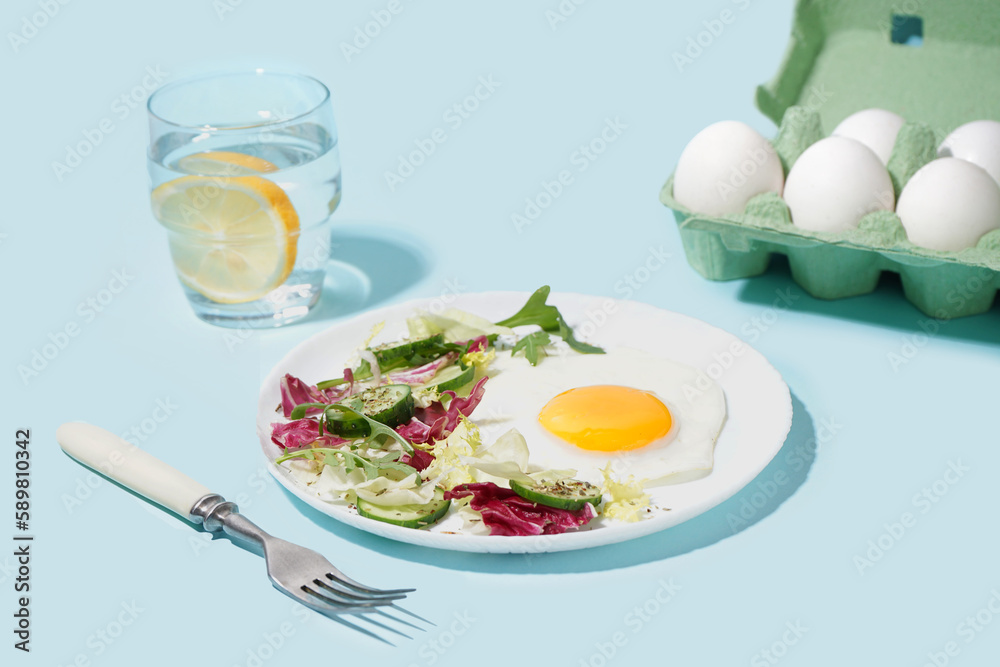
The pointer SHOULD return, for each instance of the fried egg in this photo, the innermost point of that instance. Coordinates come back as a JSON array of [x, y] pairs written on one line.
[[643, 415]]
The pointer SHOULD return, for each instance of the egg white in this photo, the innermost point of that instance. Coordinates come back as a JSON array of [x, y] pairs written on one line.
[[516, 392]]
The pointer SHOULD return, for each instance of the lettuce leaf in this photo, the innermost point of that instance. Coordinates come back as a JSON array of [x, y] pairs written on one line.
[[456, 325], [628, 499], [338, 483], [350, 461], [480, 358], [406, 491], [505, 459], [448, 468], [483, 325]]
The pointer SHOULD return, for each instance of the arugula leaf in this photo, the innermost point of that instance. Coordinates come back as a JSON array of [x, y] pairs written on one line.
[[536, 311], [377, 428], [566, 333], [372, 468], [299, 411], [533, 346], [352, 461]]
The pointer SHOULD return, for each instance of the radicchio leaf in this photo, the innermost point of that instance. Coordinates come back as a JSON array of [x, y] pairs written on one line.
[[300, 433], [441, 420], [415, 431], [421, 374], [294, 391], [339, 393], [336, 394], [478, 344], [419, 459], [506, 513]]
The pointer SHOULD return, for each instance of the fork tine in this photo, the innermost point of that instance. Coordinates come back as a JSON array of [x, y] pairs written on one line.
[[347, 592], [344, 581], [341, 578], [344, 605]]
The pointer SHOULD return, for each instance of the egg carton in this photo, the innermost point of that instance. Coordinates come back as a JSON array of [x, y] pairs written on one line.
[[850, 56]]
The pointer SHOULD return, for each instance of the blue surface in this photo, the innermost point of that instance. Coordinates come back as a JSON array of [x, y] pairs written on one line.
[[867, 437]]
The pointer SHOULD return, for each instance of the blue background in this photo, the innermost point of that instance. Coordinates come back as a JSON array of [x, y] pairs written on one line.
[[867, 437]]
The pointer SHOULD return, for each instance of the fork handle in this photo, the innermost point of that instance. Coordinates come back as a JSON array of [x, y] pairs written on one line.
[[125, 463]]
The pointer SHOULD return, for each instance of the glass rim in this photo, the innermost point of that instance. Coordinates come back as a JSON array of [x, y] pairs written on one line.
[[235, 72]]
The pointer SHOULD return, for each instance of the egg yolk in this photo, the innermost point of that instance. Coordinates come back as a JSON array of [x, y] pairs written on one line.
[[606, 418]]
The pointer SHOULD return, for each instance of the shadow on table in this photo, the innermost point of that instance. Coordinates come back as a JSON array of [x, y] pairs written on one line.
[[754, 502], [886, 307], [370, 264]]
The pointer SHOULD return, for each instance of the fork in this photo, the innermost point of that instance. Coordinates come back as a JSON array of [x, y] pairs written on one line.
[[296, 571]]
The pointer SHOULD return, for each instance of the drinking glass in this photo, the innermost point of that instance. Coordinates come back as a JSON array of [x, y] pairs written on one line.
[[244, 175]]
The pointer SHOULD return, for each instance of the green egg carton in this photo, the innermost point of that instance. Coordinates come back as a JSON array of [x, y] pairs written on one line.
[[936, 63]]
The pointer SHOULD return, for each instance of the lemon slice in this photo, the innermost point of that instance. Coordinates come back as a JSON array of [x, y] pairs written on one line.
[[233, 238], [224, 163]]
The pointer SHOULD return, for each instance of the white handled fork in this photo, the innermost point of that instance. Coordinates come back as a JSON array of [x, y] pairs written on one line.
[[298, 572]]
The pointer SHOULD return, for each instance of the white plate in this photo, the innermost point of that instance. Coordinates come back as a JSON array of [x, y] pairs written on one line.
[[758, 402]]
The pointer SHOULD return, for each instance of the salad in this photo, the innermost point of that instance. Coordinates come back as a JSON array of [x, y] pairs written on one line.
[[394, 435]]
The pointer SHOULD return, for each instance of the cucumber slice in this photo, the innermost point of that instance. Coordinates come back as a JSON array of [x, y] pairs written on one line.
[[347, 425], [566, 494], [407, 516], [451, 377], [428, 343], [390, 404], [403, 349]]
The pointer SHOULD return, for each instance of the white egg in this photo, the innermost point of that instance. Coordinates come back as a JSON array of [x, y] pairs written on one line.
[[835, 183], [949, 204], [977, 142], [723, 167], [517, 392], [875, 128]]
